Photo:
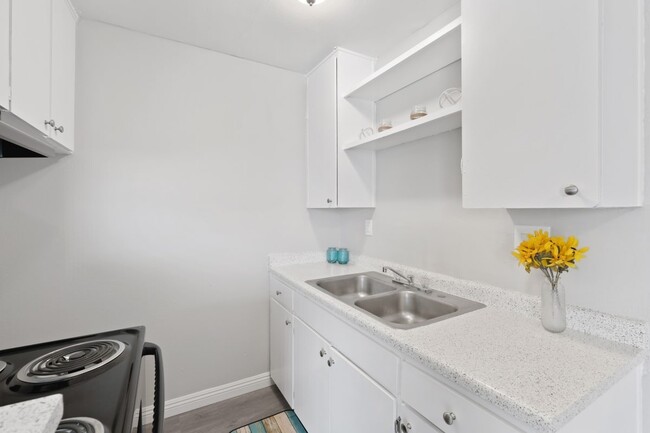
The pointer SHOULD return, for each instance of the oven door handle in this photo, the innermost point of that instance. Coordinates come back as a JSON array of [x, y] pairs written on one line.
[[151, 349]]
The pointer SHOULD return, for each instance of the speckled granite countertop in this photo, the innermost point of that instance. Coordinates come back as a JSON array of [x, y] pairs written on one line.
[[500, 353], [41, 415]]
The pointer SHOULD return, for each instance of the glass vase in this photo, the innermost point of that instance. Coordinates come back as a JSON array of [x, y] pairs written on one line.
[[553, 307]]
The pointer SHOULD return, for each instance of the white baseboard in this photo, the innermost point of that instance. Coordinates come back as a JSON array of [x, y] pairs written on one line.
[[206, 397]]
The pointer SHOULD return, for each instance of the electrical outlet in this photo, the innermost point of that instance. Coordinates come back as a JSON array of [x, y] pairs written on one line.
[[368, 227], [521, 232]]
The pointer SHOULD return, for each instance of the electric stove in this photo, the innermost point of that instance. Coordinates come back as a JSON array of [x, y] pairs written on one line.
[[97, 375]]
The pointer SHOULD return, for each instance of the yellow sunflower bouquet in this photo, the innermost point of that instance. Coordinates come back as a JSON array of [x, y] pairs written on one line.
[[551, 255]]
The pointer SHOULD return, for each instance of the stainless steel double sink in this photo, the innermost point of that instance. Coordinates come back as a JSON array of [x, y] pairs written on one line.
[[398, 305]]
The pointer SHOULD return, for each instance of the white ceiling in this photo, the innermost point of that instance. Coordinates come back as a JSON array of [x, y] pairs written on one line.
[[283, 33]]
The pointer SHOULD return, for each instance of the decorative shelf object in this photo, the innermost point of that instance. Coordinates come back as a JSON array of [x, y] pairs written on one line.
[[437, 122], [429, 56]]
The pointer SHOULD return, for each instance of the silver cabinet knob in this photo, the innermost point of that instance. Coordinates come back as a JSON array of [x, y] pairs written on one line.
[[287, 322], [329, 200], [571, 190], [278, 293], [59, 129], [330, 362], [323, 353], [402, 426], [50, 123], [449, 417]]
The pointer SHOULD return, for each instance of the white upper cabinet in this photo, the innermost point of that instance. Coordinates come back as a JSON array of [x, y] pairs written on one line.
[[552, 104], [64, 28], [31, 52], [336, 179], [5, 42], [321, 139], [40, 55]]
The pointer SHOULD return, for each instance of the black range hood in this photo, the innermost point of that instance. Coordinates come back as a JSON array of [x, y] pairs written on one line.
[[11, 150], [19, 139]]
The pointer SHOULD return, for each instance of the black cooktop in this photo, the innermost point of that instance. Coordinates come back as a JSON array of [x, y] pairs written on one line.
[[96, 374]]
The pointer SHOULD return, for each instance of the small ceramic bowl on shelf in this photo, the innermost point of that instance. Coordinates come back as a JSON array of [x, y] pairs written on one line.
[[418, 111], [384, 125]]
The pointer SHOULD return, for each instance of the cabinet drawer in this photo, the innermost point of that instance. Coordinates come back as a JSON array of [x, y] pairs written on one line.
[[281, 293], [368, 355], [432, 399]]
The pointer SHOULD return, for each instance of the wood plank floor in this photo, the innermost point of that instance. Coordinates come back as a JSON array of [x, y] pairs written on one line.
[[225, 416]]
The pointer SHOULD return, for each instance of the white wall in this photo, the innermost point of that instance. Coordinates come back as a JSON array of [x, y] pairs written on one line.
[[189, 170]]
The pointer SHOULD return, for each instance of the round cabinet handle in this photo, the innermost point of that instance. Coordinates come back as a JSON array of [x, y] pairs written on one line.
[[323, 353], [329, 200], [571, 190], [287, 322], [330, 362], [278, 293], [50, 123], [449, 417], [59, 129], [402, 426]]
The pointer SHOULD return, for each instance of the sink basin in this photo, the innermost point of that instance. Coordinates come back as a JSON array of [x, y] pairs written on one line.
[[394, 304], [406, 308], [354, 286]]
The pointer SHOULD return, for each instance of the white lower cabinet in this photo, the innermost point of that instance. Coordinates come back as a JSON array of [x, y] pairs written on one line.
[[282, 350], [311, 387], [332, 395], [357, 403]]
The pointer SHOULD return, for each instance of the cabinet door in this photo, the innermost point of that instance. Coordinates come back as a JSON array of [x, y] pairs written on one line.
[[282, 350], [358, 403], [4, 53], [531, 103], [311, 390], [356, 169], [31, 52], [64, 25], [321, 136]]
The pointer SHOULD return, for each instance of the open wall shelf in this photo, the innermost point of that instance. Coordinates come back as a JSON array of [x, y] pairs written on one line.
[[429, 56], [443, 120]]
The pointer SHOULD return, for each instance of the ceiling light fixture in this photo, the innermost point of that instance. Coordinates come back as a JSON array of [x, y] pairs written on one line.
[[311, 2]]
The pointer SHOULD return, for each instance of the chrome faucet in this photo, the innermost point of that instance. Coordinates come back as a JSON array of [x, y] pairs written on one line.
[[405, 280]]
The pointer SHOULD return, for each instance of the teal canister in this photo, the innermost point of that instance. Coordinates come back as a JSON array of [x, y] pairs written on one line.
[[343, 256], [332, 255]]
